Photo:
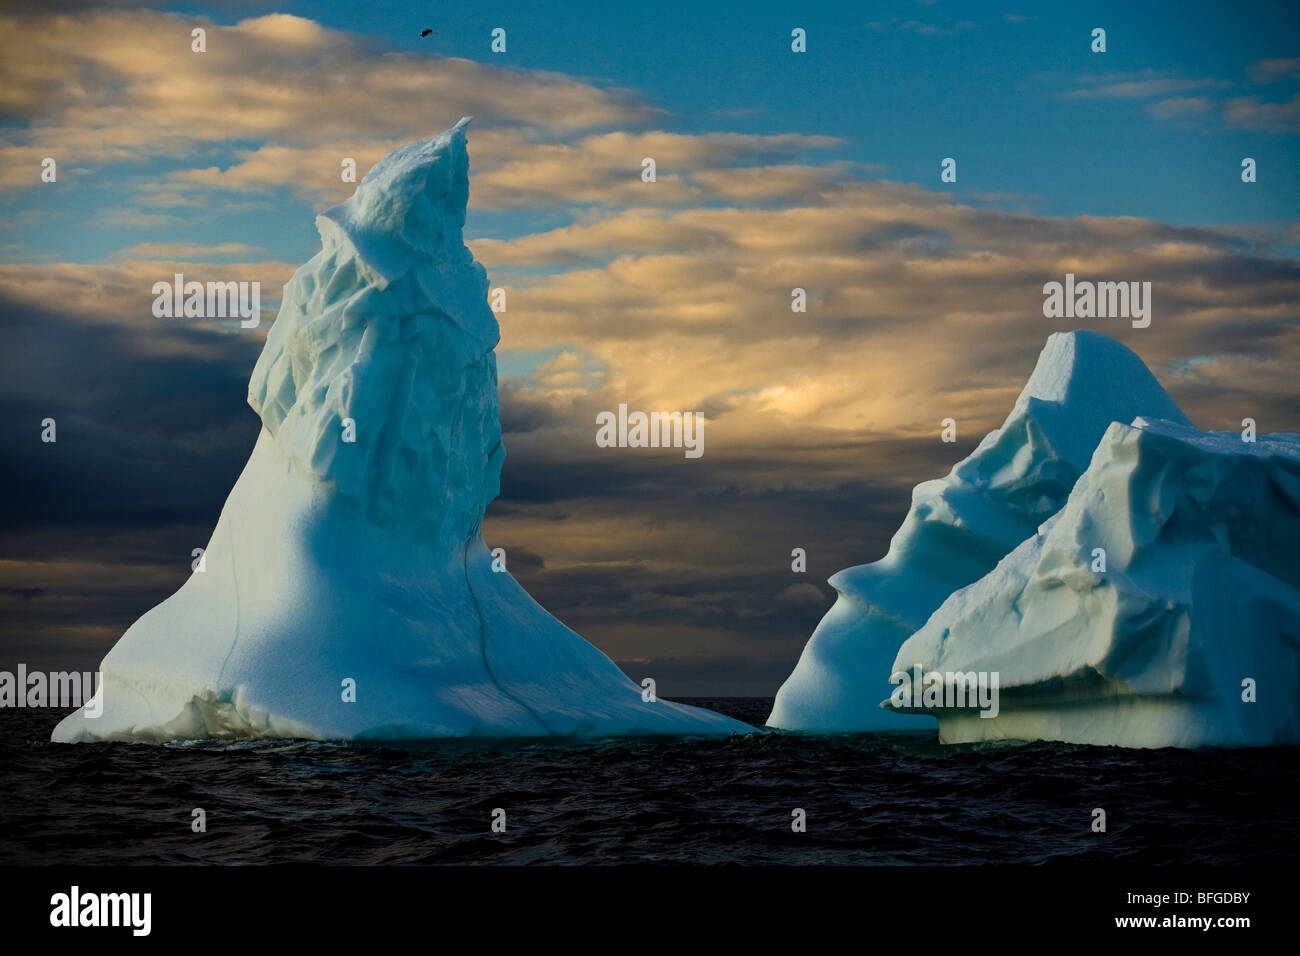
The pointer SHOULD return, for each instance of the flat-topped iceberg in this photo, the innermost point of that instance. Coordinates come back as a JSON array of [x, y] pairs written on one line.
[[1159, 608], [346, 592], [960, 526], [1098, 571]]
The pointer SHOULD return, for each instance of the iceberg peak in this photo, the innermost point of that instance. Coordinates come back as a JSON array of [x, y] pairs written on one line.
[[409, 207], [1082, 382], [1080, 359]]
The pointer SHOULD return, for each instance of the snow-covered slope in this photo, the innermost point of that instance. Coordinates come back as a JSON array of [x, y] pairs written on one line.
[[960, 526], [337, 561], [1190, 636]]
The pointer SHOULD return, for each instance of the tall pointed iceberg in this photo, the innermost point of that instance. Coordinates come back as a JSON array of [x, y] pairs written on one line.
[[346, 592]]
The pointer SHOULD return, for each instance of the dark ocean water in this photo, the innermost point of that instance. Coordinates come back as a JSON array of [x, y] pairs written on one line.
[[870, 799]]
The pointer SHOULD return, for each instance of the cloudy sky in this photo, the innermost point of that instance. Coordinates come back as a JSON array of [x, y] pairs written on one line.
[[819, 170]]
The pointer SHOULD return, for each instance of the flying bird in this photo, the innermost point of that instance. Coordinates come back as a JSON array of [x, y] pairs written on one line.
[[425, 33]]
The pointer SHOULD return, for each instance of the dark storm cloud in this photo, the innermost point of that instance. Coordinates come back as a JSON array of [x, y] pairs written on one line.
[[711, 585], [720, 677], [144, 437], [522, 411]]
